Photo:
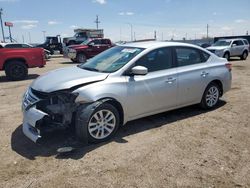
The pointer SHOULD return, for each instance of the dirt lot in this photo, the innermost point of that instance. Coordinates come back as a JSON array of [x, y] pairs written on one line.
[[182, 148]]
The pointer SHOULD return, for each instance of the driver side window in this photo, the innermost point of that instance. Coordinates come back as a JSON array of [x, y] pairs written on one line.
[[156, 60]]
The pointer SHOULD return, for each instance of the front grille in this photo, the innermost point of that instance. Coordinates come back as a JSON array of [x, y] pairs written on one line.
[[29, 99], [40, 94]]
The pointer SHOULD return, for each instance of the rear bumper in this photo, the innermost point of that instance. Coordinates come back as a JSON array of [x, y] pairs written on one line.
[[227, 83]]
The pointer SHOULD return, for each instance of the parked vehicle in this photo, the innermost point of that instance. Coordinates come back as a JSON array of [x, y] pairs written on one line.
[[52, 44], [123, 83], [24, 45], [16, 61], [83, 34], [230, 48], [88, 49]]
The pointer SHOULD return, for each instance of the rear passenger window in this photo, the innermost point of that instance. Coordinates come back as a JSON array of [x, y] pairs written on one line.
[[190, 56], [238, 43], [156, 60], [245, 42], [13, 46]]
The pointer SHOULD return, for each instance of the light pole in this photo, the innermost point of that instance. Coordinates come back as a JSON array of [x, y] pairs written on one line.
[[131, 27], [1, 12]]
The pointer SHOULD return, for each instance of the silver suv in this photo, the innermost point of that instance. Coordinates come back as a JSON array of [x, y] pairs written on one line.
[[123, 83], [230, 48]]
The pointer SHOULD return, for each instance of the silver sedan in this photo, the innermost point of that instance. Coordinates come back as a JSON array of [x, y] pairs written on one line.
[[124, 83]]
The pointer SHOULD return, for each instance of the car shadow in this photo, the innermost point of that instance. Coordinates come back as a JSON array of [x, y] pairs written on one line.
[[49, 145], [29, 77], [69, 62]]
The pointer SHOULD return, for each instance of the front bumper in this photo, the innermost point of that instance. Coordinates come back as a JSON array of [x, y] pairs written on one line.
[[70, 53], [31, 120]]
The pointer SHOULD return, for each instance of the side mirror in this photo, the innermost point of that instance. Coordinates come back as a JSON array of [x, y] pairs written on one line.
[[139, 70], [91, 44], [233, 45]]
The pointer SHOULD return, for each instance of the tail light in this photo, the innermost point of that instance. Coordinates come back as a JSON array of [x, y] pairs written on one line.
[[229, 66]]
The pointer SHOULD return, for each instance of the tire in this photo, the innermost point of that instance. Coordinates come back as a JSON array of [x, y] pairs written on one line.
[[16, 70], [90, 124], [73, 60], [47, 55], [244, 55], [81, 58], [210, 97], [227, 56]]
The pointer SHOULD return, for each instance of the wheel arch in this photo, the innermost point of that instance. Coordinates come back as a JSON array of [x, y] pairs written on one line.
[[82, 52], [219, 83], [14, 59], [117, 105]]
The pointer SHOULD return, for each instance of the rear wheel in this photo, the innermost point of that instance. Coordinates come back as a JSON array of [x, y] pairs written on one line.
[[211, 96], [16, 70], [227, 56], [81, 58], [244, 55]]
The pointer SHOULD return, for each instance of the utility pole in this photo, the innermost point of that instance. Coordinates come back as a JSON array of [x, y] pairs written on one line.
[[131, 29], [44, 35], [207, 30], [155, 35], [97, 21], [1, 12], [29, 38]]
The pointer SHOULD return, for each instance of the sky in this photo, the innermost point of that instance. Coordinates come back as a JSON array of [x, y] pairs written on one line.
[[169, 18]]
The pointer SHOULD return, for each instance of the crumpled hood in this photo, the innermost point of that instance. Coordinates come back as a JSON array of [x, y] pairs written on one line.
[[66, 78], [217, 47]]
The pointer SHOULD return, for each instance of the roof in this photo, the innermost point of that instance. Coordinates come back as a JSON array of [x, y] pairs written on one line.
[[6, 43], [229, 39], [155, 44]]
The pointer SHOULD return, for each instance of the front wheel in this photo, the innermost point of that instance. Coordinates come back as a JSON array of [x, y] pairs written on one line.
[[210, 97], [227, 56], [81, 58], [100, 125]]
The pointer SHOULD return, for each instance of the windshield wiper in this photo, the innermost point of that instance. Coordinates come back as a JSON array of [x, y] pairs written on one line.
[[90, 69]]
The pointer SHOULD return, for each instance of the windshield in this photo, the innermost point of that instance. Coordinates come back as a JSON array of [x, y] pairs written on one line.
[[86, 42], [222, 43], [111, 60]]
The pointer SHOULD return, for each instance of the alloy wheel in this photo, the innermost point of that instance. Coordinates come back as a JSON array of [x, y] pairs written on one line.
[[212, 96], [102, 124]]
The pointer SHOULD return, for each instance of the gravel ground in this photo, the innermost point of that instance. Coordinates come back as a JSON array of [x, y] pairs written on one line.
[[188, 147]]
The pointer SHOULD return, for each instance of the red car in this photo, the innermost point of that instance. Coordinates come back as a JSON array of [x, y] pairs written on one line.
[[16, 61], [88, 49]]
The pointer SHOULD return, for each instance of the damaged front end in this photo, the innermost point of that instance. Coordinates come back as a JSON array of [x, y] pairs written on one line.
[[45, 112]]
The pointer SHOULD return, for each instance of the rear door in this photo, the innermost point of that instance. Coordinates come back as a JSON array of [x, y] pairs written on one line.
[[237, 48], [192, 74]]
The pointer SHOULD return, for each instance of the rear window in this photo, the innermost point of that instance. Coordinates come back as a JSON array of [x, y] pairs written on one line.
[[246, 42]]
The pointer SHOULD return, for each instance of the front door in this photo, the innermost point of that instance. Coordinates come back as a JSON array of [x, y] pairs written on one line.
[[155, 91]]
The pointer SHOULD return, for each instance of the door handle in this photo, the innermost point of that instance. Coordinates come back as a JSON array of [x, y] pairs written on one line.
[[170, 80], [204, 73]]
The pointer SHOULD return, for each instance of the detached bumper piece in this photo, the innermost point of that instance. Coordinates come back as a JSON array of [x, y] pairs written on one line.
[[46, 112], [31, 121]]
